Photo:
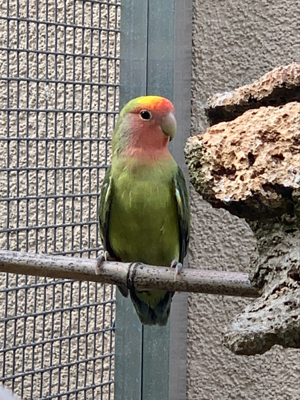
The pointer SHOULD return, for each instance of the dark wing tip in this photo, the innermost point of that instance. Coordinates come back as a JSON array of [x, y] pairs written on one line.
[[183, 208]]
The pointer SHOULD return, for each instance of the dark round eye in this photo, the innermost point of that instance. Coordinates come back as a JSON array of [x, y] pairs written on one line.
[[145, 114]]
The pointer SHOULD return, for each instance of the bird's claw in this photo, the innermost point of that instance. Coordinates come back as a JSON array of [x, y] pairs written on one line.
[[100, 260], [178, 268]]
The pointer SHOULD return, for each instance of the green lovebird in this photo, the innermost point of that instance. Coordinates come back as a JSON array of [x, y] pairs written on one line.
[[144, 207]]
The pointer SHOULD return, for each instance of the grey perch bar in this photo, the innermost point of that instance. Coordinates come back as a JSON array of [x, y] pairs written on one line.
[[141, 276]]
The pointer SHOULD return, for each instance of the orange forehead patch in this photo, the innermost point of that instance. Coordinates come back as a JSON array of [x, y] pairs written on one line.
[[155, 101], [150, 103]]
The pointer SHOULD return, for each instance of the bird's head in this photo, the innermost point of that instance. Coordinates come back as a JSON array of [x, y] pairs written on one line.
[[146, 123]]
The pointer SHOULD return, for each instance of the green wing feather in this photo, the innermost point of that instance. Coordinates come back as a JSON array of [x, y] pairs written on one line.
[[104, 217], [104, 211], [183, 209]]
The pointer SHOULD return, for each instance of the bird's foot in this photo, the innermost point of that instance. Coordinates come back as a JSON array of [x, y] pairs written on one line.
[[131, 273], [178, 268], [106, 257], [100, 260]]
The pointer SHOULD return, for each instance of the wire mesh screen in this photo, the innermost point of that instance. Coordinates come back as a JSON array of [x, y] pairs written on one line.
[[59, 74]]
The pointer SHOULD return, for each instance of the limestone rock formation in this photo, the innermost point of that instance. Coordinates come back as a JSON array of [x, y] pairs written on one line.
[[250, 165], [277, 87]]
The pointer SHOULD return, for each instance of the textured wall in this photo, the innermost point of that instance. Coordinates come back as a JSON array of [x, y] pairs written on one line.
[[234, 43]]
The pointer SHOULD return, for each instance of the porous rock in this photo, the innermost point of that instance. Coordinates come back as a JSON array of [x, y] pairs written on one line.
[[251, 165], [277, 87], [274, 318]]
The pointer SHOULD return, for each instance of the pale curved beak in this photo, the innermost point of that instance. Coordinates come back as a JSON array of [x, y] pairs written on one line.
[[169, 125]]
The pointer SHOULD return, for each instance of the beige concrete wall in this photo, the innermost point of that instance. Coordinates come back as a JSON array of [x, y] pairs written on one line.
[[234, 42]]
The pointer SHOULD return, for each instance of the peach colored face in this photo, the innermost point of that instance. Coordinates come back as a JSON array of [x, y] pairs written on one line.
[[153, 122]]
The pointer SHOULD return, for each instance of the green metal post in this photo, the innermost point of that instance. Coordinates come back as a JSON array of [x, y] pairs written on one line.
[[155, 59]]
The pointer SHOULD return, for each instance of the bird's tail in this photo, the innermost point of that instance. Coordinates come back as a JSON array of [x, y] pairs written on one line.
[[152, 307]]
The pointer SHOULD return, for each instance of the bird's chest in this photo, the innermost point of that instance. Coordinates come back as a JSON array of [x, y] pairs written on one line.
[[139, 195], [144, 218]]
